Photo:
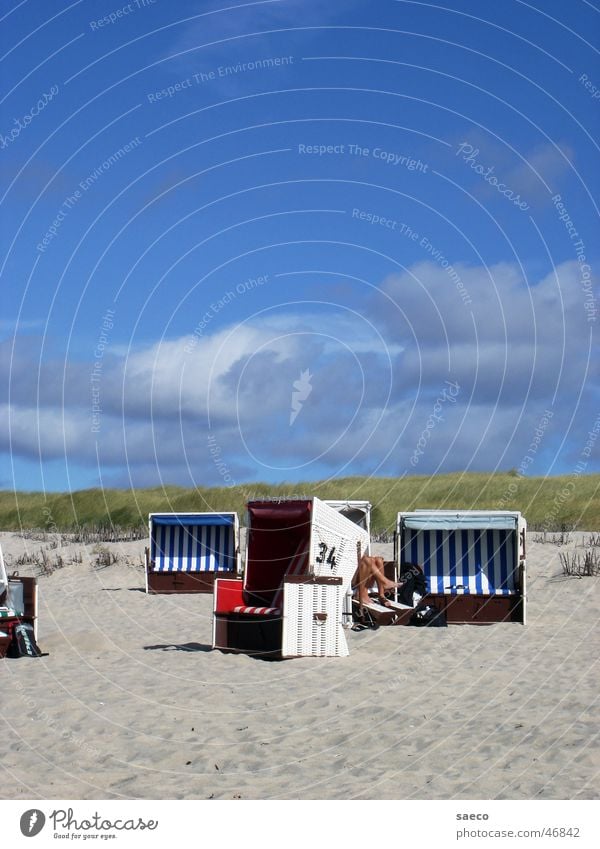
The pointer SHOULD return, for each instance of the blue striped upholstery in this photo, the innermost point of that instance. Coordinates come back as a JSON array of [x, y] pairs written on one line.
[[192, 548], [462, 562]]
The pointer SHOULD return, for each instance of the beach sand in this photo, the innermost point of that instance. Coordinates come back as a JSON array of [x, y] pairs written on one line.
[[132, 702]]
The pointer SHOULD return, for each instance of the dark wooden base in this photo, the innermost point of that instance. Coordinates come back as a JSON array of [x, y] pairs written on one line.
[[184, 582], [261, 636], [477, 609]]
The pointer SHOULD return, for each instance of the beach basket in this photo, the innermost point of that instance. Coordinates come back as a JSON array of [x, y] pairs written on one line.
[[474, 562], [187, 551], [300, 559], [18, 604]]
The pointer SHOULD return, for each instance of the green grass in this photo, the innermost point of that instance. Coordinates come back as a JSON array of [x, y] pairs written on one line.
[[554, 503]]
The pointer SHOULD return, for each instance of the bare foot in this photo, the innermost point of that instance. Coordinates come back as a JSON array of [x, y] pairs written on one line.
[[386, 602], [391, 585]]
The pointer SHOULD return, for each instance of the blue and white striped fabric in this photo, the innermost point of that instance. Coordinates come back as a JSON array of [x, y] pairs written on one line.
[[186, 547], [463, 562]]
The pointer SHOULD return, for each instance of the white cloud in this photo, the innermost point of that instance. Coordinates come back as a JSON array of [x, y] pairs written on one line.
[[510, 351]]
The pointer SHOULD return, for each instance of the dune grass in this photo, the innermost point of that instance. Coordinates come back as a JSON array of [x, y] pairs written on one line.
[[556, 503]]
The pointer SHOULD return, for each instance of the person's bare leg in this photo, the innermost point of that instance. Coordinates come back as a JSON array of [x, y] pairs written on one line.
[[369, 569], [365, 578], [384, 584]]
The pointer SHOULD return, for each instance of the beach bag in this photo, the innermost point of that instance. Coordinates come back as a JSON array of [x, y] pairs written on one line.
[[23, 642], [414, 582], [426, 615]]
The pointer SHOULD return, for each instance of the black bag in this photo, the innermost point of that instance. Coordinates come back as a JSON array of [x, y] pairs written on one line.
[[414, 582], [23, 642], [427, 615]]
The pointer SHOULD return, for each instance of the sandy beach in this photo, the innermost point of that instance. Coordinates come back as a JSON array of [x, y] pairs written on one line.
[[131, 702]]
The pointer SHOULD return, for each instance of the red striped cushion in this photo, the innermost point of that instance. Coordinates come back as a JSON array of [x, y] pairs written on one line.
[[257, 611]]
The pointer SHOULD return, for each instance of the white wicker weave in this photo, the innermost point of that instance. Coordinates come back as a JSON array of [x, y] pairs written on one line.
[[332, 532], [305, 636], [333, 553]]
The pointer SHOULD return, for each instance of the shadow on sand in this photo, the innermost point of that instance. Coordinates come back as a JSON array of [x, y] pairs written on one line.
[[181, 647]]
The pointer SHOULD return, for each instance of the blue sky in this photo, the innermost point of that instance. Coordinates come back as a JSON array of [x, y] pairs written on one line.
[[380, 217]]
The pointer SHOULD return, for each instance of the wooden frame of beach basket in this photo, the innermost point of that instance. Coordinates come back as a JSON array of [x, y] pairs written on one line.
[[188, 550], [300, 559], [474, 562], [20, 604]]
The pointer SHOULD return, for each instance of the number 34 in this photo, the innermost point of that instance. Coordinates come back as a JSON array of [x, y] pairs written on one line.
[[324, 557]]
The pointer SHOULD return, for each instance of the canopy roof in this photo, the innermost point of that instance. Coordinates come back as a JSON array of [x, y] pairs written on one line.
[[439, 520], [194, 519]]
